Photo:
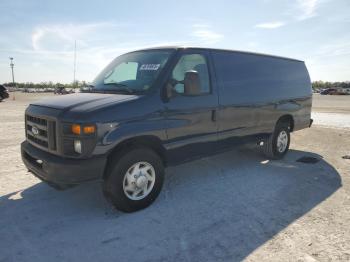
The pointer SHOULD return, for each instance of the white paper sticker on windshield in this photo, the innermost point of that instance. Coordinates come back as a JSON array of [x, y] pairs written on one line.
[[150, 67]]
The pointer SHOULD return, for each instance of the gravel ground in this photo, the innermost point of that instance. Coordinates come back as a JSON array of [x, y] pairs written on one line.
[[230, 207]]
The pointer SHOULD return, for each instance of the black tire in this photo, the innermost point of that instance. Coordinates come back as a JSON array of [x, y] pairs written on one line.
[[270, 148], [116, 170]]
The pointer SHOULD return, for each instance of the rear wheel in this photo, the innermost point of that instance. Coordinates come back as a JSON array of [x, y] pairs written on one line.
[[134, 179], [277, 144]]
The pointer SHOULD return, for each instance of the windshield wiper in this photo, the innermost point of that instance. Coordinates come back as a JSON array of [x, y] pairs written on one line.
[[121, 87], [114, 83]]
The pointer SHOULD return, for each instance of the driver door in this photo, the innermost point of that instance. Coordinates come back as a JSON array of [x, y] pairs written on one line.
[[191, 119]]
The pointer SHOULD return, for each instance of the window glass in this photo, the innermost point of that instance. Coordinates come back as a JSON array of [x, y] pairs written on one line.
[[134, 72], [194, 62], [123, 72]]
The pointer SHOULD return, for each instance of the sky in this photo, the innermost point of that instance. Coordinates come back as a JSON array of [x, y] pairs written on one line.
[[40, 35]]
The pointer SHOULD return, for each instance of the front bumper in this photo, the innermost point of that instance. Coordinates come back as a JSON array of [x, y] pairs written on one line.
[[58, 170], [4, 95]]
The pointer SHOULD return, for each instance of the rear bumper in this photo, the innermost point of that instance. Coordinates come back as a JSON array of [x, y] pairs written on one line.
[[59, 170]]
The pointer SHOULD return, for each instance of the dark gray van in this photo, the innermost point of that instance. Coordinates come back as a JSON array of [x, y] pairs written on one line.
[[156, 107]]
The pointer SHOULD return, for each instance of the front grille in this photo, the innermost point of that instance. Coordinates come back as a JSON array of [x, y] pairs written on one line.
[[41, 132], [38, 141], [37, 120]]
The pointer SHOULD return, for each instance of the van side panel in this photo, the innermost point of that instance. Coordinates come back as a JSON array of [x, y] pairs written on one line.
[[255, 90]]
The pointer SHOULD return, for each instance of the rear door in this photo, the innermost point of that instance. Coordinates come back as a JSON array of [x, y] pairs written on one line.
[[191, 120]]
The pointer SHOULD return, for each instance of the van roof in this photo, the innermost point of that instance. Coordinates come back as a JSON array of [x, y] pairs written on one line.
[[218, 49]]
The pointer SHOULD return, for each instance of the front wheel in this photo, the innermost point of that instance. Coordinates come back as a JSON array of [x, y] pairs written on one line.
[[134, 180], [277, 144]]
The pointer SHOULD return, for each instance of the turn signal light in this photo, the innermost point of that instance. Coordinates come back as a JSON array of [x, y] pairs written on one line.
[[76, 129], [89, 129]]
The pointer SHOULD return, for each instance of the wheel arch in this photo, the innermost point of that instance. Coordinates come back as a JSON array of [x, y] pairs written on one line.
[[286, 119], [148, 141]]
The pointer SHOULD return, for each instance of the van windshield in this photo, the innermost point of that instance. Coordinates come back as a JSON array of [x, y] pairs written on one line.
[[134, 72]]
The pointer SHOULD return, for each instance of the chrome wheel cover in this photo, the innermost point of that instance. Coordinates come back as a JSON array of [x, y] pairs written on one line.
[[139, 180], [282, 141]]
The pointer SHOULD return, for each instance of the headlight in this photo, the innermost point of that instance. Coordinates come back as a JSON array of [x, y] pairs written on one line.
[[77, 146], [78, 139]]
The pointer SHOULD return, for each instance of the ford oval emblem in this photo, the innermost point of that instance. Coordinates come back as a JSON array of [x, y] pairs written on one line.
[[35, 130]]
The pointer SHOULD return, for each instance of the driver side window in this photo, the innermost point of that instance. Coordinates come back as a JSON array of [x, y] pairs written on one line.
[[194, 62]]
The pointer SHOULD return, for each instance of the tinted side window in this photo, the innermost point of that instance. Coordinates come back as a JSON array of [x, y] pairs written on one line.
[[189, 62]]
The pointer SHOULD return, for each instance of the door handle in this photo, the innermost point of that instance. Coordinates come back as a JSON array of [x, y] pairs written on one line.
[[213, 115]]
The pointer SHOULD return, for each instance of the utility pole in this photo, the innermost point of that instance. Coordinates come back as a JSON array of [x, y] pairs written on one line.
[[12, 65], [75, 61]]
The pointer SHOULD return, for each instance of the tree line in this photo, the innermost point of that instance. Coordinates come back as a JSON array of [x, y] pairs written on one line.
[[324, 85], [43, 85]]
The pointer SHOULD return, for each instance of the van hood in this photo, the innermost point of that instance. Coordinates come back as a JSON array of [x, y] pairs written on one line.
[[83, 101]]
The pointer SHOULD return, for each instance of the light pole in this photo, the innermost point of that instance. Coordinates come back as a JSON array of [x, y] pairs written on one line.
[[75, 63], [13, 76]]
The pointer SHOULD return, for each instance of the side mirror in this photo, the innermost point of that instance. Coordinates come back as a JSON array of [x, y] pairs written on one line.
[[169, 93], [192, 85]]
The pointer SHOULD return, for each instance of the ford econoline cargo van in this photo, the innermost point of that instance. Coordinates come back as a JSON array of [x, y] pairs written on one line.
[[156, 107]]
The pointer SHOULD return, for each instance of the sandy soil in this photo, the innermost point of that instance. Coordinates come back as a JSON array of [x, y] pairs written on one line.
[[331, 111], [230, 207], [331, 104]]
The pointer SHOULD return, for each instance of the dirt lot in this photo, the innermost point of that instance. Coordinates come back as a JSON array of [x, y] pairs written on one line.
[[230, 207]]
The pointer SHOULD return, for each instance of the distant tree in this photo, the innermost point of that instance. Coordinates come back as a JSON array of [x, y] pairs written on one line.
[[49, 84], [324, 85]]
